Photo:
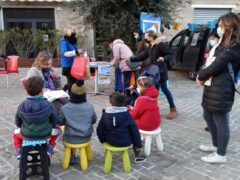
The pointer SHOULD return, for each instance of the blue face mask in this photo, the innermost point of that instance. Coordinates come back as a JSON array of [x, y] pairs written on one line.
[[220, 31], [213, 43]]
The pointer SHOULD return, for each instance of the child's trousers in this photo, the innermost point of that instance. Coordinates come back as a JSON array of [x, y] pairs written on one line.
[[17, 137]]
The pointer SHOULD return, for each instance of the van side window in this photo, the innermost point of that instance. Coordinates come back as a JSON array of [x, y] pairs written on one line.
[[195, 39], [186, 40], [176, 41]]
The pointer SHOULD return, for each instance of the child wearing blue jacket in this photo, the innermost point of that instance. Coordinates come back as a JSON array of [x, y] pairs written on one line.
[[117, 127]]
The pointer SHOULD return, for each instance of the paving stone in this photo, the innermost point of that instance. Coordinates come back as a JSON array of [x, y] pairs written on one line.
[[180, 159], [73, 175]]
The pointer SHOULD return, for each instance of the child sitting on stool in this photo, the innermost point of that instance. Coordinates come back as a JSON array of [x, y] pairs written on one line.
[[78, 116], [117, 127], [35, 117], [146, 111]]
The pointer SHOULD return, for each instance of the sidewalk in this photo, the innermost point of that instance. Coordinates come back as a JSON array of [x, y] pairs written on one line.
[[180, 159]]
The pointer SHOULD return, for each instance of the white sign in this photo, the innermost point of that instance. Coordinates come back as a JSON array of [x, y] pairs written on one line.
[[104, 74]]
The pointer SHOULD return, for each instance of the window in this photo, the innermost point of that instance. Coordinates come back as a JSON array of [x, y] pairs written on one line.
[[28, 18], [176, 41]]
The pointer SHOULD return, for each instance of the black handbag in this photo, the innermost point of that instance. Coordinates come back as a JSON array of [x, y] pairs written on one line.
[[134, 65]]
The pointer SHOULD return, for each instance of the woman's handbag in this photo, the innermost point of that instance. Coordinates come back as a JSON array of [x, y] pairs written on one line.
[[153, 72], [80, 68], [134, 65]]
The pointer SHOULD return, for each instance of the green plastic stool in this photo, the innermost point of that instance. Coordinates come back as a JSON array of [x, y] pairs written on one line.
[[108, 157]]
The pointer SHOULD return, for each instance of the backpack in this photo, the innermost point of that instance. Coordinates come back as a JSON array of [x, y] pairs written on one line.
[[235, 79]]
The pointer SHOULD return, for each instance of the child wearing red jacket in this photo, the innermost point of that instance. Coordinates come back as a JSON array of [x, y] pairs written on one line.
[[146, 111]]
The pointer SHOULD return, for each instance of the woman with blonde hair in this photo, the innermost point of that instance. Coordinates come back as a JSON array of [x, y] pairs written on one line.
[[68, 50], [218, 97], [42, 67]]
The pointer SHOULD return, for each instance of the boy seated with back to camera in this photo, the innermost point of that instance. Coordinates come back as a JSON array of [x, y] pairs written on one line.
[[118, 128]]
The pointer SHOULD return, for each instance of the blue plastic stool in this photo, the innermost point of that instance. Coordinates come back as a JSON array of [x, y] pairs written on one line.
[[34, 159]]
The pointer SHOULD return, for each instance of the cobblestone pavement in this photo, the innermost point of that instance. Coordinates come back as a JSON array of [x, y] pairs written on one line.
[[180, 159]]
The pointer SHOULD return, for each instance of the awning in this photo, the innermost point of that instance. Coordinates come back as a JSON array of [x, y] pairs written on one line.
[[36, 0]]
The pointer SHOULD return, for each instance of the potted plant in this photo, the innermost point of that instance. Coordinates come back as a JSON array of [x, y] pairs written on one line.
[[22, 41], [4, 40]]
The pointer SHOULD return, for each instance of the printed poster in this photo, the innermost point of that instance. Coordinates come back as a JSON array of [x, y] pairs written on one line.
[[149, 21], [104, 74]]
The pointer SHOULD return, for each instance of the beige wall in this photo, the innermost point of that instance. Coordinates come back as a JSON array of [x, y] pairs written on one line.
[[187, 13], [64, 15]]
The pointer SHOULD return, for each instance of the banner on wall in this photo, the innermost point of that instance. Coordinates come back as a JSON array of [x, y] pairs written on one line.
[[104, 74], [149, 21]]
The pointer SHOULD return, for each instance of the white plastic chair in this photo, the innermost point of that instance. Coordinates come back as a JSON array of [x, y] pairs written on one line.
[[148, 136]]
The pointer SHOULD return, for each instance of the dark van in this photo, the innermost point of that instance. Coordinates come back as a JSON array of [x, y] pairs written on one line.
[[190, 48]]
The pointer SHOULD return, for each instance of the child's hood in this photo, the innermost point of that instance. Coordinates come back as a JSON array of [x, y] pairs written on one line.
[[114, 109], [151, 92], [116, 115], [35, 110]]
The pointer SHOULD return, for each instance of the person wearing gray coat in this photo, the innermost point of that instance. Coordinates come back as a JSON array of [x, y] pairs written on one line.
[[78, 116]]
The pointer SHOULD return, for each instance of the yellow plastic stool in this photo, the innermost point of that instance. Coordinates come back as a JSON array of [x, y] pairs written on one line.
[[108, 157], [85, 154]]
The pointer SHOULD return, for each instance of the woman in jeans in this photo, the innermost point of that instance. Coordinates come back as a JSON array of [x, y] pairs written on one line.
[[218, 97], [159, 53], [69, 49]]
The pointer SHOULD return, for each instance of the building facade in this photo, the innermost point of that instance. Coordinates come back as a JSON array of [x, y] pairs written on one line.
[[202, 11], [56, 14]]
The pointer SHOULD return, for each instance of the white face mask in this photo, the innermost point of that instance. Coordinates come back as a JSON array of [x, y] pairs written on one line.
[[138, 90], [220, 31], [213, 43], [136, 37]]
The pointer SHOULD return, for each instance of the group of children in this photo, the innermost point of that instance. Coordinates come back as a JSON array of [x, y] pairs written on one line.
[[119, 124]]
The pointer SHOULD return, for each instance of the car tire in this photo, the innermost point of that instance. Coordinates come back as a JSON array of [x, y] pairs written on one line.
[[192, 75]]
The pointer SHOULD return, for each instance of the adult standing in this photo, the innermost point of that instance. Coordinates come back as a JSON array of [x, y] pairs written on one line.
[[69, 49], [218, 97], [121, 52], [160, 54], [140, 42]]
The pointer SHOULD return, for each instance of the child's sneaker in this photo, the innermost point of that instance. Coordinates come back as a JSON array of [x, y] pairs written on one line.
[[140, 159], [73, 159], [18, 153], [50, 150]]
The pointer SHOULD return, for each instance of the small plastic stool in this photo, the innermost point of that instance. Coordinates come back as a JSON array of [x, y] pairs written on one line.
[[148, 135], [34, 159], [85, 154], [108, 157]]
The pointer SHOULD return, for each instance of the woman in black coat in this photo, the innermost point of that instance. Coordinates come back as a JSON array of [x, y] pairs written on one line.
[[160, 54], [218, 98]]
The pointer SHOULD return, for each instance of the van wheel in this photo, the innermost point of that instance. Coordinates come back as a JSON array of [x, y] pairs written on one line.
[[192, 75]]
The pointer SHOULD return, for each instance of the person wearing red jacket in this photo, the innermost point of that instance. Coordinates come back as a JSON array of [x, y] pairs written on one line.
[[146, 112]]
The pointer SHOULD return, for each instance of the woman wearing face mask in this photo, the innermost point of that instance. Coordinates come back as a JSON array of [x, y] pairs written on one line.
[[160, 54], [68, 49], [213, 41], [42, 67], [140, 42], [218, 98], [146, 111]]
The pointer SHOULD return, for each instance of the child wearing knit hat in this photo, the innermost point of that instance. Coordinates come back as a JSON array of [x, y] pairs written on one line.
[[78, 116]]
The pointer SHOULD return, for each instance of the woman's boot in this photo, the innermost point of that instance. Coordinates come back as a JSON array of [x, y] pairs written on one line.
[[172, 114]]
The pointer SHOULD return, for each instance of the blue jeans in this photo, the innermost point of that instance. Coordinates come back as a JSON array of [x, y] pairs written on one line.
[[165, 90], [118, 80], [126, 77], [218, 124]]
